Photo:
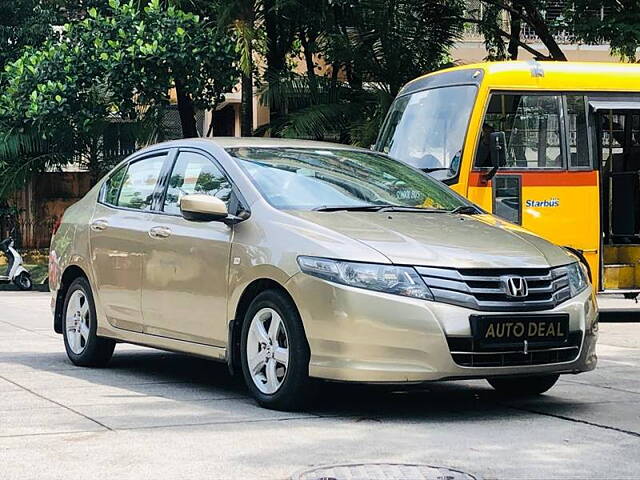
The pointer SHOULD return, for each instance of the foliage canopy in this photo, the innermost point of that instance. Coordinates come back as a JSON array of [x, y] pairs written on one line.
[[116, 65]]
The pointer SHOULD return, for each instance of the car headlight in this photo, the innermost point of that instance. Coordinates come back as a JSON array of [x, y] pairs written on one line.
[[403, 281], [578, 279]]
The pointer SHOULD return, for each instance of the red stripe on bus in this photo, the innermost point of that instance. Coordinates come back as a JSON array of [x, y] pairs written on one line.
[[542, 179]]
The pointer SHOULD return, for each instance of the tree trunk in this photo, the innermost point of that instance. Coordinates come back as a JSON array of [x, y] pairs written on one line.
[[280, 36], [307, 42], [514, 32], [246, 105], [335, 69], [539, 25], [93, 156], [187, 112]]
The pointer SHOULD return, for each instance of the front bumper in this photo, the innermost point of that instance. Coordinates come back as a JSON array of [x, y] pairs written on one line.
[[364, 336]]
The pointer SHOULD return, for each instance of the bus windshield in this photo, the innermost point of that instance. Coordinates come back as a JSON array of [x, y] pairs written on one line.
[[427, 129]]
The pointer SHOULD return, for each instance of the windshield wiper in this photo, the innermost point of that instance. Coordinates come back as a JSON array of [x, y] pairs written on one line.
[[435, 169], [376, 208], [466, 210], [351, 208], [398, 208]]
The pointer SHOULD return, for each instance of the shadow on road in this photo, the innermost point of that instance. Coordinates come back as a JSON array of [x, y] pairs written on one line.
[[143, 372], [37, 287]]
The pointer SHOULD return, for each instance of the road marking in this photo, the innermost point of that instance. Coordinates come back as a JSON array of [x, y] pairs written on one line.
[[57, 403]]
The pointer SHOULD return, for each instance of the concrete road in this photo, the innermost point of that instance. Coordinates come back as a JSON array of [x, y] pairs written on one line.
[[159, 415]]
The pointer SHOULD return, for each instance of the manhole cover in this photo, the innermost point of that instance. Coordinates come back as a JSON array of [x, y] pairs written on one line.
[[382, 471]]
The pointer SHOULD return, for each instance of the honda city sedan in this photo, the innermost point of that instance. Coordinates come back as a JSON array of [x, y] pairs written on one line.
[[293, 261]]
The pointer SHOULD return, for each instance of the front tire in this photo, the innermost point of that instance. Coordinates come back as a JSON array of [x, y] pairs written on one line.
[[84, 348], [523, 386], [275, 353]]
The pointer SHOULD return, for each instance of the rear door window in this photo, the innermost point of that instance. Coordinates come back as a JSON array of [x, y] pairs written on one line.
[[140, 182]]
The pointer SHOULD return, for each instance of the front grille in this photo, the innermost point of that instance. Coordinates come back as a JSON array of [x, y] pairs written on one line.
[[482, 289], [467, 353]]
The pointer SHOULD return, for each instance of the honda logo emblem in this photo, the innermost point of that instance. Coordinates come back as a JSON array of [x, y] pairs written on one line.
[[515, 286]]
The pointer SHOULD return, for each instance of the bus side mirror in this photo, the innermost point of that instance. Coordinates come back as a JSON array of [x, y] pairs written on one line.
[[498, 151]]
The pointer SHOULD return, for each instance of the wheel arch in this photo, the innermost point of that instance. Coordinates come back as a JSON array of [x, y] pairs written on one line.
[[68, 276]]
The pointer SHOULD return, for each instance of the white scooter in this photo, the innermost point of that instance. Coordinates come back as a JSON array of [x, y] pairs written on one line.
[[15, 273]]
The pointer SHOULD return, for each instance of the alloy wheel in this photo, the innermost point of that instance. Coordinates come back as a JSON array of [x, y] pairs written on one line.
[[78, 317], [267, 350]]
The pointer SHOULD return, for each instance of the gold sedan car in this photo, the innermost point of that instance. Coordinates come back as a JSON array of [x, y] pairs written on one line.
[[293, 260]]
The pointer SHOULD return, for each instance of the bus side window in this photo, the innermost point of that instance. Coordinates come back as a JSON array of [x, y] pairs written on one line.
[[507, 198], [531, 124], [578, 133]]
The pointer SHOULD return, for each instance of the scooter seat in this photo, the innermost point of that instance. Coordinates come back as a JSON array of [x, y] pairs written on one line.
[[4, 245]]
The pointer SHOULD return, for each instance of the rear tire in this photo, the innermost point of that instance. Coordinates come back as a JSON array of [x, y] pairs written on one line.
[[523, 386], [84, 348], [23, 281], [273, 342]]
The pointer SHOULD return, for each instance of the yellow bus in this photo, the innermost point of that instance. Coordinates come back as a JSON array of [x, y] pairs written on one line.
[[551, 146]]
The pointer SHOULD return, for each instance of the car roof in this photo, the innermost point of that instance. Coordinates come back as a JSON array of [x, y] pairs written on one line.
[[260, 142], [266, 142]]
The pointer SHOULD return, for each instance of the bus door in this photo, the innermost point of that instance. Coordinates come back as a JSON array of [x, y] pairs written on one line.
[[547, 183], [617, 122]]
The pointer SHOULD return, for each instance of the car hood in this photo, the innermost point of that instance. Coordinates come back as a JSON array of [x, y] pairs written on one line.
[[442, 239]]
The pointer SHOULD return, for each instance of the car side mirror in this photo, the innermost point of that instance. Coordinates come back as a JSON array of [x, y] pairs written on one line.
[[498, 152], [198, 207]]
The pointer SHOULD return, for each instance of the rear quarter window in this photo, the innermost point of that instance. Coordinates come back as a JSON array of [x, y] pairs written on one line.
[[112, 186]]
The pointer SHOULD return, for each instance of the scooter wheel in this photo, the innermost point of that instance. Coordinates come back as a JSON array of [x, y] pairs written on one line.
[[23, 281]]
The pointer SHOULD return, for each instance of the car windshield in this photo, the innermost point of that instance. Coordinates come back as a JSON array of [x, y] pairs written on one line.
[[427, 129], [325, 179]]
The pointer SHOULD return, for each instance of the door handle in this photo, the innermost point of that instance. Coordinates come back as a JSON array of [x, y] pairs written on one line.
[[159, 232], [99, 225]]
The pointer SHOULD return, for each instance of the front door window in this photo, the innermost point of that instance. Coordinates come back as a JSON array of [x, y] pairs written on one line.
[[507, 199], [194, 173], [531, 124], [578, 133]]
